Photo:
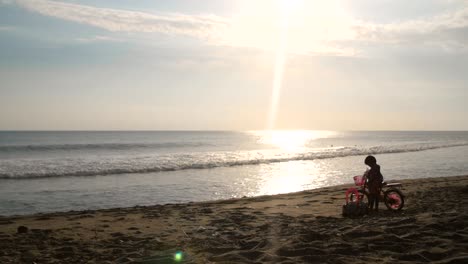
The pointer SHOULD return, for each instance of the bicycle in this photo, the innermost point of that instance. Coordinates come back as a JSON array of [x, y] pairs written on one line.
[[390, 193]]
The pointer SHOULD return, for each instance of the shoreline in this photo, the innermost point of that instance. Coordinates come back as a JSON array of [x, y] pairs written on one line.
[[300, 227]]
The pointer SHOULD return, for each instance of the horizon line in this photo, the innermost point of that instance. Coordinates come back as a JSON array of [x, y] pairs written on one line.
[[222, 130]]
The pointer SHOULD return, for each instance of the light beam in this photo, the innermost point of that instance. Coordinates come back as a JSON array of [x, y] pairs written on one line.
[[286, 8]]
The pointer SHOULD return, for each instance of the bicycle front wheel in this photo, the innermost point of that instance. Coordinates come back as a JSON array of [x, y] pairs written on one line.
[[394, 199]]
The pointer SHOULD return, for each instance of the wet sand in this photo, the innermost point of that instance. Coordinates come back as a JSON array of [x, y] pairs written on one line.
[[303, 227]]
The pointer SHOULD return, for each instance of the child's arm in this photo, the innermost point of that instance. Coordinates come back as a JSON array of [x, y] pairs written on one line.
[[365, 176]]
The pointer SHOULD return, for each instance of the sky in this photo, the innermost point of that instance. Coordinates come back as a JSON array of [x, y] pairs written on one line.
[[233, 65]]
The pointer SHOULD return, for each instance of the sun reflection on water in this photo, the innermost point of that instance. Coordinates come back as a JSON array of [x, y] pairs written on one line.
[[287, 177], [290, 140]]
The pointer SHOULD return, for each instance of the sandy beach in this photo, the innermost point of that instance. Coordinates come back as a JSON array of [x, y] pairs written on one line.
[[303, 227]]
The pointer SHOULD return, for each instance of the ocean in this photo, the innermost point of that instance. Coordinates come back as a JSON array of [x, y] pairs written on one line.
[[48, 171]]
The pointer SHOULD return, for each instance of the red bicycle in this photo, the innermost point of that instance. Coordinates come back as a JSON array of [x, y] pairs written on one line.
[[390, 193]]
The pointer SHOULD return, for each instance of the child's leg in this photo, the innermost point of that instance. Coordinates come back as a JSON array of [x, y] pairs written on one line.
[[371, 201], [377, 197], [374, 197]]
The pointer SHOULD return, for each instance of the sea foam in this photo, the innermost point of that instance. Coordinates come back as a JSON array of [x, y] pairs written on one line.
[[93, 165]]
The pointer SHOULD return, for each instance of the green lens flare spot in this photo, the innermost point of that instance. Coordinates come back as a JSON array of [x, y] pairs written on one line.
[[178, 256]]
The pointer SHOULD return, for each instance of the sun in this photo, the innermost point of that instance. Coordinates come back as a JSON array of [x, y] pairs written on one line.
[[289, 6], [310, 26], [260, 23]]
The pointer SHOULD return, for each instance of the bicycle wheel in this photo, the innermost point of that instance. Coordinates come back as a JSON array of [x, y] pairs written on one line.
[[394, 199]]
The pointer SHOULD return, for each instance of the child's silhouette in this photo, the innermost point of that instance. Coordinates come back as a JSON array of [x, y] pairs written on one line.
[[374, 182]]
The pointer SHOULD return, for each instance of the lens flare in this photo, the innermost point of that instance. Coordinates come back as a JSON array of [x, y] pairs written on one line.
[[278, 74], [286, 10], [178, 256]]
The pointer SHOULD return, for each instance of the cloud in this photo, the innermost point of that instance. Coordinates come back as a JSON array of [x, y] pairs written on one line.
[[204, 27], [6, 28], [316, 28], [326, 28], [444, 30], [98, 38]]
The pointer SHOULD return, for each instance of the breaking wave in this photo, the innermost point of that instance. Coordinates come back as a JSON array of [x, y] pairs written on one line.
[[106, 146], [65, 167]]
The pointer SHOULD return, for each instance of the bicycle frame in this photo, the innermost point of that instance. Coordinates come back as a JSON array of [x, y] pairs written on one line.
[[390, 193]]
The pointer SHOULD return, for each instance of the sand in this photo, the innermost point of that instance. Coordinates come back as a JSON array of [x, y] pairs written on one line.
[[303, 227]]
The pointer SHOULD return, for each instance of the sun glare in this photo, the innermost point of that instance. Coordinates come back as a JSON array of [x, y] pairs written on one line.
[[290, 140], [286, 9], [287, 177], [289, 6], [284, 27], [312, 26]]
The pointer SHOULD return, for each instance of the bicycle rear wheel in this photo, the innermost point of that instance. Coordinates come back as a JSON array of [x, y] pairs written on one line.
[[394, 199]]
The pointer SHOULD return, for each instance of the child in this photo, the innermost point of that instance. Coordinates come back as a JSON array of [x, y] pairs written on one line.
[[374, 182]]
